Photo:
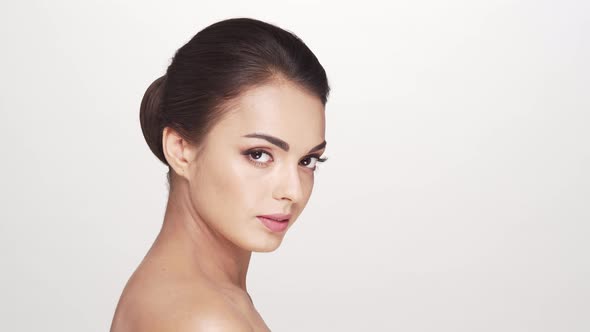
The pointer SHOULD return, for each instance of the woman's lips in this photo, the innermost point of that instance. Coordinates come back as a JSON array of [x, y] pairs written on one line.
[[276, 216], [273, 224]]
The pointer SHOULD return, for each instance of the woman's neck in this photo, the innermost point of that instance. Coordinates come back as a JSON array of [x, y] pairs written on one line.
[[193, 244]]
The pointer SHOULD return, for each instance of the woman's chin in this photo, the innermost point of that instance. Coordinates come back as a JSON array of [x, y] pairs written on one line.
[[266, 249], [266, 245]]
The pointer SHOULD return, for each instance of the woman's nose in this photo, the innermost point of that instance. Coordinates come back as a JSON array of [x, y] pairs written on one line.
[[288, 185]]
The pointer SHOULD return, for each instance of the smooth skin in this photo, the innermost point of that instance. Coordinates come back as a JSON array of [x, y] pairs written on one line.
[[193, 278]]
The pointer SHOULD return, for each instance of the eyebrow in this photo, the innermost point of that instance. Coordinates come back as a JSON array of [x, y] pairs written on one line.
[[282, 144]]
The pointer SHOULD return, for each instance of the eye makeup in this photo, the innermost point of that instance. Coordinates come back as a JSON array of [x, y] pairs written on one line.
[[257, 152], [253, 155], [317, 158]]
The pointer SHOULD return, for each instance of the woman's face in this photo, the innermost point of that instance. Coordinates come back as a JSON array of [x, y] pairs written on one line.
[[259, 159]]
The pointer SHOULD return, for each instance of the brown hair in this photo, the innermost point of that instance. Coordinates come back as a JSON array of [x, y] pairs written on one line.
[[215, 66]]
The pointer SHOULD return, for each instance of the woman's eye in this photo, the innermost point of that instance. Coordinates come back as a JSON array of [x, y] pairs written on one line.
[[259, 157], [262, 158], [310, 162]]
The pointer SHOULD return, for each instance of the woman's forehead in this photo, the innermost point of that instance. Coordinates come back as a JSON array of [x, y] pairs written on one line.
[[280, 109], [280, 99]]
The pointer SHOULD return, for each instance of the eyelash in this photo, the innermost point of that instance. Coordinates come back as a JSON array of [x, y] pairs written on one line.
[[249, 153]]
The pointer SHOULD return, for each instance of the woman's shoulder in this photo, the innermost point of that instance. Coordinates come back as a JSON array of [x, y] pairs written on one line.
[[154, 304], [209, 317], [202, 315]]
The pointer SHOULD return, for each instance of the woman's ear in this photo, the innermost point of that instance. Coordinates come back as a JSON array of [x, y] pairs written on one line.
[[178, 152]]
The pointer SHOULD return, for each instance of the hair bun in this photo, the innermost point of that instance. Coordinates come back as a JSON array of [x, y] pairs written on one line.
[[151, 119]]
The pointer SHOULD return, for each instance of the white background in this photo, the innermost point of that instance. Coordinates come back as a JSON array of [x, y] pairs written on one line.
[[456, 197]]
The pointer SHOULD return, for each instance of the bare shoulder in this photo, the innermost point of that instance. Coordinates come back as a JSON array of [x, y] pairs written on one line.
[[205, 310], [211, 318], [176, 306]]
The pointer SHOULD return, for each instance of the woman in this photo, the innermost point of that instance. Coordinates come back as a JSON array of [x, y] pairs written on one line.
[[239, 118]]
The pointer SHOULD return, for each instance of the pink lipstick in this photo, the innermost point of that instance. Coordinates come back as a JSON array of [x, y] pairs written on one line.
[[275, 222]]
